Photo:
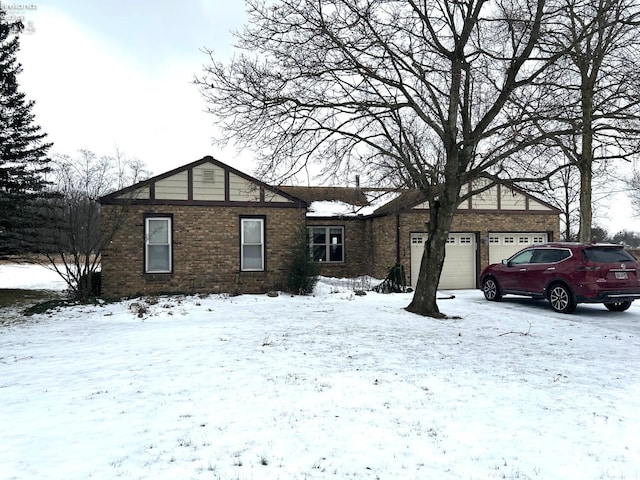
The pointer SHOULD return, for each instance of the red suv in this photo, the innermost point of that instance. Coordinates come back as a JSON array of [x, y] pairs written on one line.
[[567, 274]]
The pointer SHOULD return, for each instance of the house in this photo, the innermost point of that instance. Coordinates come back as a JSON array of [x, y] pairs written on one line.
[[207, 227]]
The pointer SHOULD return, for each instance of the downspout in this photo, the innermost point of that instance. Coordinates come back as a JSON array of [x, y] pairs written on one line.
[[397, 239]]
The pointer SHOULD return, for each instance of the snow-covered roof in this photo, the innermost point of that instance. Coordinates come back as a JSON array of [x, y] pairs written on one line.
[[337, 208]]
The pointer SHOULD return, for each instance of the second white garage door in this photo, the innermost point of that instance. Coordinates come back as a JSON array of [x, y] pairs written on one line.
[[459, 269], [503, 245]]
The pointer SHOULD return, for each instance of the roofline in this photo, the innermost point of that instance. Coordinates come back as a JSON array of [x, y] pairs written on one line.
[[411, 205], [112, 197]]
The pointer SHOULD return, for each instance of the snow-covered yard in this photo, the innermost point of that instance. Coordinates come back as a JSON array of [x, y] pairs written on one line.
[[330, 386]]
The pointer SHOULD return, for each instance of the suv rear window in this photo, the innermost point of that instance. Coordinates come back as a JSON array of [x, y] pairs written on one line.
[[607, 255]]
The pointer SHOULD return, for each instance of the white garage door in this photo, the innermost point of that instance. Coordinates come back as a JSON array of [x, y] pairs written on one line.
[[459, 269], [503, 245]]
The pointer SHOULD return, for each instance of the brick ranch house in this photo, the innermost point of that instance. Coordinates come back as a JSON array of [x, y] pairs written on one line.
[[206, 227]]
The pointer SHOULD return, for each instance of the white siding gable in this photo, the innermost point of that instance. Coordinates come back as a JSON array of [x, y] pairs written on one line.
[[511, 200], [488, 200], [141, 193], [173, 187], [208, 182], [242, 190], [270, 196]]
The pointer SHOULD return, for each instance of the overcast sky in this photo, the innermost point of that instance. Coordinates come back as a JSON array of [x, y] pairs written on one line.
[[118, 73]]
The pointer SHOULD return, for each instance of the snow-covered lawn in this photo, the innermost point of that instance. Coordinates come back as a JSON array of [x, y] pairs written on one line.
[[30, 277], [324, 387]]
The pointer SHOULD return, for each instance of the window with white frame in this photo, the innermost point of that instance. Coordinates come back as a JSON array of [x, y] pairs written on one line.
[[252, 244], [157, 235], [327, 244]]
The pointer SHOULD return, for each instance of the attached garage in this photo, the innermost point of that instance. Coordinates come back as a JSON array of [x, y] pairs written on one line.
[[503, 245], [460, 264]]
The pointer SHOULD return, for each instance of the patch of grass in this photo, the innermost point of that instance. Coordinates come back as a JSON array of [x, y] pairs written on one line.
[[46, 306], [15, 297], [16, 303], [31, 302]]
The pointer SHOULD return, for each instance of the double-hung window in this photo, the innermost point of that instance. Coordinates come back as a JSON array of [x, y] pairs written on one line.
[[252, 244], [327, 244], [157, 235]]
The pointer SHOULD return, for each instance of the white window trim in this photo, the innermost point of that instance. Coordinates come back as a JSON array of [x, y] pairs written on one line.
[[242, 244], [146, 244]]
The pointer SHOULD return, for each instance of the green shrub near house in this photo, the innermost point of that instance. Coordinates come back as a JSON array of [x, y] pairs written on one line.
[[302, 272]]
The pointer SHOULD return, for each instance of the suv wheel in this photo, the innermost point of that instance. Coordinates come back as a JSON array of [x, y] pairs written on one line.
[[491, 289], [561, 299], [618, 306]]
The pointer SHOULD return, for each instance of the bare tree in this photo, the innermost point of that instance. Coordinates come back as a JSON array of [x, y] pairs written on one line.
[[596, 92], [420, 88], [633, 189], [69, 225], [562, 190]]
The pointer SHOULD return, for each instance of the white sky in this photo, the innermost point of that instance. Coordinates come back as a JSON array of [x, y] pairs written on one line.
[[107, 74], [118, 74]]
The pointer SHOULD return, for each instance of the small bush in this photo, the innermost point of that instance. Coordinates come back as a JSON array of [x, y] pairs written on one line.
[[49, 305], [396, 281], [90, 285], [302, 272]]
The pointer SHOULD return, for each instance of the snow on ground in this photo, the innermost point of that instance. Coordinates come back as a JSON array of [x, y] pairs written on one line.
[[30, 277], [324, 387]]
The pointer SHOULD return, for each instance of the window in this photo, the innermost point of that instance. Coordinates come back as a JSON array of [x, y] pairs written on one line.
[[608, 255], [522, 257], [252, 244], [157, 235], [551, 255], [327, 244]]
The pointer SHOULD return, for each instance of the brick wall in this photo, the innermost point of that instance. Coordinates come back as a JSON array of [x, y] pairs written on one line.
[[355, 255], [206, 246], [206, 251], [384, 244]]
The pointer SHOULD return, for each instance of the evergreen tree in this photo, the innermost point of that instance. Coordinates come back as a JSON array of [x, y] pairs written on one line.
[[23, 151]]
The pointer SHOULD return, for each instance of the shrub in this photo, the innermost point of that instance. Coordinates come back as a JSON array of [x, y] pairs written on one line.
[[302, 272], [90, 285], [396, 280]]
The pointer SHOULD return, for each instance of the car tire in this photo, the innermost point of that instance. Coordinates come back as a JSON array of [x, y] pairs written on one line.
[[561, 298], [491, 289], [618, 306]]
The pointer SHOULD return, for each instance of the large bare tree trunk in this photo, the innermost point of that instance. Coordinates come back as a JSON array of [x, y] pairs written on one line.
[[585, 166], [586, 210], [441, 213]]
